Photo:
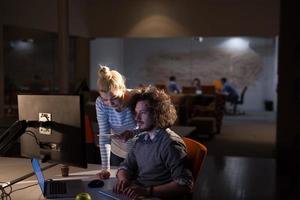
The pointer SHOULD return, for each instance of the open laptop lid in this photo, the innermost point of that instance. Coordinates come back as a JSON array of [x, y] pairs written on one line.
[[38, 172]]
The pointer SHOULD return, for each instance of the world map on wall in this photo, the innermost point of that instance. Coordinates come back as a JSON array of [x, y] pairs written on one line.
[[241, 67]]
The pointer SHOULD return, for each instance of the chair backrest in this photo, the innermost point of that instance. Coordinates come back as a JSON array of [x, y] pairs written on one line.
[[208, 89], [89, 133], [196, 153], [241, 101]]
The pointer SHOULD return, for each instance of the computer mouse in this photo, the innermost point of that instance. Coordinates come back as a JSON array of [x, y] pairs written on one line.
[[97, 183]]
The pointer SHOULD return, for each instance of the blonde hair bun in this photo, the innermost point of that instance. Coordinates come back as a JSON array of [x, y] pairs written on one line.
[[104, 72], [110, 81]]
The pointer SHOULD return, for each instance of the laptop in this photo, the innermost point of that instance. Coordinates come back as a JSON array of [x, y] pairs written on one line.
[[56, 188]]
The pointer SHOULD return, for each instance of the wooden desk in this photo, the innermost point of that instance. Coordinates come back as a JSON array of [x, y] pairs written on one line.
[[220, 178], [12, 168]]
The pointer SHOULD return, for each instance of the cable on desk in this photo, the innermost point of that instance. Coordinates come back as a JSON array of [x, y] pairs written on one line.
[[4, 194], [33, 135], [42, 145], [23, 188]]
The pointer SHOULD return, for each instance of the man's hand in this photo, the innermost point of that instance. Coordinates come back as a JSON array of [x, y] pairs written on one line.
[[126, 135], [123, 181], [121, 185], [104, 174], [135, 192]]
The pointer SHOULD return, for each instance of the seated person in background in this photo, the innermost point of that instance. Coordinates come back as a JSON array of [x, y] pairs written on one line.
[[156, 165], [197, 84], [172, 85], [218, 85], [232, 95]]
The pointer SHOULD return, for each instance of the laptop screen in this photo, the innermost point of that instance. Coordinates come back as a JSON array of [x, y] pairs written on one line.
[[38, 172]]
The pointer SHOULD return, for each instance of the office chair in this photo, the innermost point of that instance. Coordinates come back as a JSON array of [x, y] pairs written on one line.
[[196, 153], [240, 101], [92, 152], [89, 133], [208, 89]]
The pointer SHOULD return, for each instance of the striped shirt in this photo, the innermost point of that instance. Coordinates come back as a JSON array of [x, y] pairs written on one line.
[[111, 121]]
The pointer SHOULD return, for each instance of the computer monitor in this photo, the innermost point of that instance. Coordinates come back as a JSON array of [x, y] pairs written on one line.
[[63, 140], [188, 90]]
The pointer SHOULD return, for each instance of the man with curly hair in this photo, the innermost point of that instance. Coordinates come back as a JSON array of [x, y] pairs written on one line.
[[156, 165]]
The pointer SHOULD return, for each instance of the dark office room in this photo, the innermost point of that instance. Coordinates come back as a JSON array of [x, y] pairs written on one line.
[[51, 55]]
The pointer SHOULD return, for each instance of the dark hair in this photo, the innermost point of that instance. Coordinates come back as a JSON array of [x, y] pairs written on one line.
[[198, 80], [172, 78], [224, 80], [163, 110]]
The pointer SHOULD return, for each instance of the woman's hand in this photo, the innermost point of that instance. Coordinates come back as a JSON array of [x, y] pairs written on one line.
[[104, 174], [126, 135]]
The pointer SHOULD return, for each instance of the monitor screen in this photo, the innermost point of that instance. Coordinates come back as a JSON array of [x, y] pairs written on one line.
[[63, 139]]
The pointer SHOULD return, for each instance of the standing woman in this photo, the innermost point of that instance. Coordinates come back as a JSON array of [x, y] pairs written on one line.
[[114, 117]]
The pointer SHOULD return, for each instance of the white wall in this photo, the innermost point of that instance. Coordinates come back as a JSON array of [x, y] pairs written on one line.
[[150, 61], [108, 52], [264, 87]]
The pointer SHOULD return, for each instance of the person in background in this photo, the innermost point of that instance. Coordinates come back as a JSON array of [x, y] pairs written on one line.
[[232, 95], [218, 85], [197, 84], [173, 86], [156, 165], [114, 117]]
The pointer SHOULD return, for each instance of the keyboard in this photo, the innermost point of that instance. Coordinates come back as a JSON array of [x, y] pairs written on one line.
[[57, 187]]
